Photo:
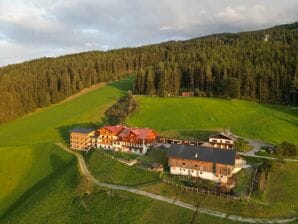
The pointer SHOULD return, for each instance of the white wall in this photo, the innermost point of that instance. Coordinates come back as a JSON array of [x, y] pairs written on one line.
[[196, 173]]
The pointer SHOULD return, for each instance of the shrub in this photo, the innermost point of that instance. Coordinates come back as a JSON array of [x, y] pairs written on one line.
[[285, 149], [118, 112], [242, 145]]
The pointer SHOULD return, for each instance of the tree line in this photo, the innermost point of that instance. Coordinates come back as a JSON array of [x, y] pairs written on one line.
[[241, 65]]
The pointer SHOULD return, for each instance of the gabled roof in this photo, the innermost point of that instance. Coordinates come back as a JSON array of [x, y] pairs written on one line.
[[141, 133], [82, 130], [193, 152], [224, 136], [115, 129]]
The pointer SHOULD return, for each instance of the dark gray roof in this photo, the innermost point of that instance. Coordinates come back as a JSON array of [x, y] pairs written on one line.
[[82, 130], [200, 153]]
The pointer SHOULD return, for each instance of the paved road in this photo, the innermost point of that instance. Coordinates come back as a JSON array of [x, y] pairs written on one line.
[[84, 171], [265, 157], [257, 145]]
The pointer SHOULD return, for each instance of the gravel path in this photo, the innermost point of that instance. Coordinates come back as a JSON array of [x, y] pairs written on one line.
[[84, 171]]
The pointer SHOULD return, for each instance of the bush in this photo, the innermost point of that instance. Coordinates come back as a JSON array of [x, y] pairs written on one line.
[[285, 149], [118, 112], [242, 145]]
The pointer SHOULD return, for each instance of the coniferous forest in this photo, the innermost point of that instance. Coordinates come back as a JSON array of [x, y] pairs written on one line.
[[260, 65]]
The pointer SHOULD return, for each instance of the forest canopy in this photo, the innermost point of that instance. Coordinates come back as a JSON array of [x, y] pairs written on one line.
[[243, 65]]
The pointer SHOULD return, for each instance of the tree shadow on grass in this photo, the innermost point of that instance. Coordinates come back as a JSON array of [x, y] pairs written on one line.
[[282, 109], [58, 166], [123, 84]]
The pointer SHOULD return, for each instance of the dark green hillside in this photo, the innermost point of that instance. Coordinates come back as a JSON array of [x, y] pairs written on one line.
[[235, 65]]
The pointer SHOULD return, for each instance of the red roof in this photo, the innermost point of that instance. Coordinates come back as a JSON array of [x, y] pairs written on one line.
[[141, 133], [115, 129]]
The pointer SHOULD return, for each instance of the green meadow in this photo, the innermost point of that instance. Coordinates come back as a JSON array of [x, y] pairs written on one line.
[[58, 202], [39, 180], [28, 154], [198, 117]]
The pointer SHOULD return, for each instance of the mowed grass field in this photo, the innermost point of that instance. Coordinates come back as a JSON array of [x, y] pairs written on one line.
[[196, 117], [58, 202], [39, 181], [24, 168], [27, 145]]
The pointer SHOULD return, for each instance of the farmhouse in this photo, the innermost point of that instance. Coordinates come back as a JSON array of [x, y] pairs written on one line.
[[108, 135], [222, 140], [82, 138], [207, 163], [118, 138], [136, 140]]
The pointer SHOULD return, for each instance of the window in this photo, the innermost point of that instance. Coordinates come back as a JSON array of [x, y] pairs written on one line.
[[196, 165], [183, 164]]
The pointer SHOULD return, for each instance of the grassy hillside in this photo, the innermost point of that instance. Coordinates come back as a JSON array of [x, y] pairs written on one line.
[[197, 116], [28, 153], [58, 202], [39, 181], [53, 123]]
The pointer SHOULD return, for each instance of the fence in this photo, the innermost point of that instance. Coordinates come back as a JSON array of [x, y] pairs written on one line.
[[178, 141], [253, 183], [203, 191]]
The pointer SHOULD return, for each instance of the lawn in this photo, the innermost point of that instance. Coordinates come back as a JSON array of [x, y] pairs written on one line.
[[53, 123], [28, 154], [281, 188], [110, 170], [58, 202], [197, 117], [23, 169], [122, 155], [155, 155]]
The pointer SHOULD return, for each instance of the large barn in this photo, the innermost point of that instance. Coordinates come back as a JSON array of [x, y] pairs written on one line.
[[207, 163]]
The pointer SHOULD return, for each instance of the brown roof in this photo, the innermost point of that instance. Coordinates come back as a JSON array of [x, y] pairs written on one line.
[[141, 133], [115, 129]]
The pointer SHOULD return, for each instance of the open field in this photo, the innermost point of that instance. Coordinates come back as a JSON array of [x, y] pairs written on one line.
[[24, 168], [28, 154], [53, 123], [197, 117], [58, 202], [40, 180], [282, 185]]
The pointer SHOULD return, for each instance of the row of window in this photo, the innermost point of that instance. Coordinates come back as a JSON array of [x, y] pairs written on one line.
[[221, 141]]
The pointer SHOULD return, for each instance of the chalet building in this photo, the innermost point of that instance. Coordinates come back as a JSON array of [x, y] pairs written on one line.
[[118, 138], [222, 140], [82, 138], [136, 140], [108, 135], [207, 163]]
